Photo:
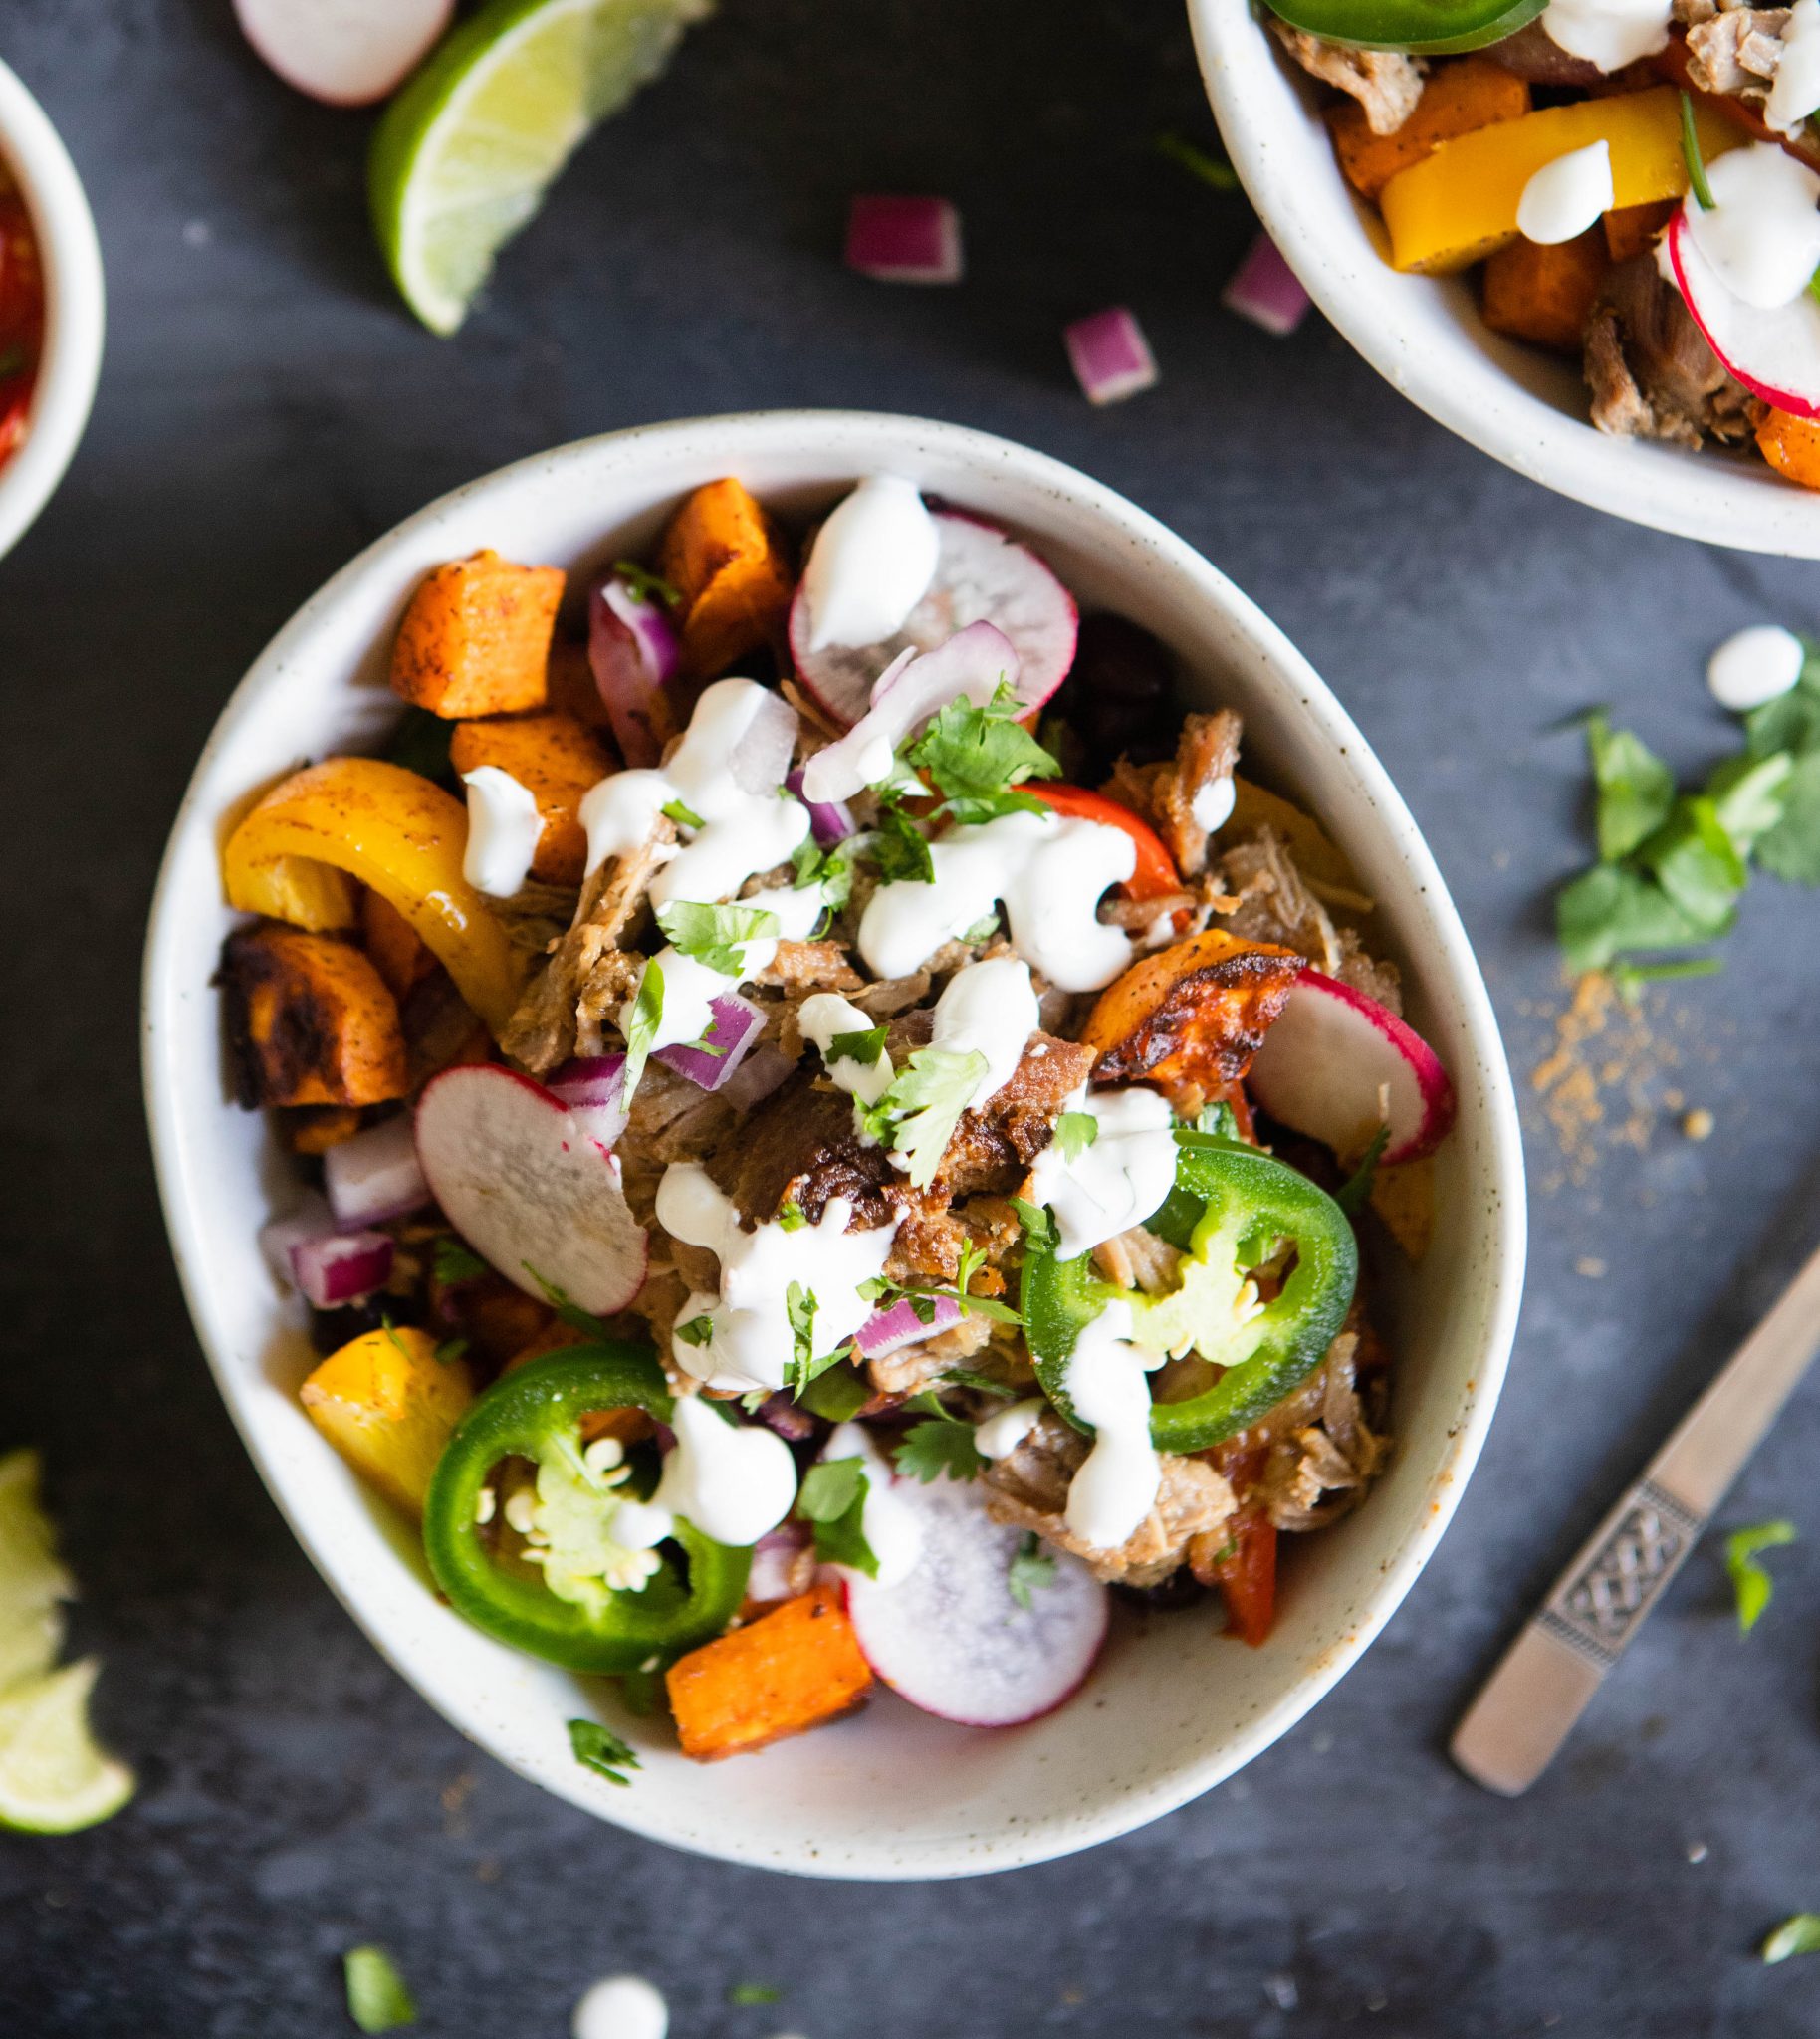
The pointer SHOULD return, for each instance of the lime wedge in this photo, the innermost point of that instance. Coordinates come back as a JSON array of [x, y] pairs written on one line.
[[53, 1779], [33, 1585], [465, 152]]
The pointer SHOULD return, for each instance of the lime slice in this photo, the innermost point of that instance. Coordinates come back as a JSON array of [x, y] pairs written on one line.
[[53, 1779], [33, 1585], [465, 152]]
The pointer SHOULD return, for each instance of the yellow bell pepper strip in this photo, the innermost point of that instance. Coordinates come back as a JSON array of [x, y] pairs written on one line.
[[388, 1404], [398, 834], [1459, 204]]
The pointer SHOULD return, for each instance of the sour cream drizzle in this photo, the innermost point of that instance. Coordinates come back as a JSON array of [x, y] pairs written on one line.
[[1796, 91], [1006, 1428], [503, 827], [1117, 1182], [691, 985], [871, 563], [1762, 235], [751, 1342], [827, 1015], [1116, 1485], [1608, 33], [1047, 870], [734, 1481], [987, 1008], [1566, 198], [890, 1525]]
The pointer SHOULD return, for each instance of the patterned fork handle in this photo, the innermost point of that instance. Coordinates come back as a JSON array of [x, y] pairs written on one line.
[[1541, 1686]]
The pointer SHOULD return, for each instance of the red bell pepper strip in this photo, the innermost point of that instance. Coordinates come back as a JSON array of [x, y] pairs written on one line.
[[1247, 1576]]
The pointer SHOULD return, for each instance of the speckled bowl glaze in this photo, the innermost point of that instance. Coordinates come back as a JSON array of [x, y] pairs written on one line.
[[72, 258], [1425, 336], [1173, 1707]]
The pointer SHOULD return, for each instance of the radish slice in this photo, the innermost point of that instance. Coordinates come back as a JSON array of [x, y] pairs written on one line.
[[375, 1175], [1774, 353], [524, 1184], [950, 1638], [1334, 1058], [348, 53], [980, 575]]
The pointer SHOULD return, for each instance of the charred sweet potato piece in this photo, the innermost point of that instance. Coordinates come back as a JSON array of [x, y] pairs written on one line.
[[1193, 1013], [558, 759], [1791, 445], [309, 1021], [790, 1670], [1458, 96], [476, 637], [398, 954], [314, 1128], [1632, 229], [731, 564], [1544, 291]]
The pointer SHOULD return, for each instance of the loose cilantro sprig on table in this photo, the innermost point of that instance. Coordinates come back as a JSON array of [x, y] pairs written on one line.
[[833, 1501], [377, 1999], [1752, 1583], [599, 1749]]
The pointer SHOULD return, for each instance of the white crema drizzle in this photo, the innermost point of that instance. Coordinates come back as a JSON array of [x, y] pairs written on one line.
[[504, 829], [1105, 1378], [891, 1528], [733, 1482], [1117, 1182], [871, 563]]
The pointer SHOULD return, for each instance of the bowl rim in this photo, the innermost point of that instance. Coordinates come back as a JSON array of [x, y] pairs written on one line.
[[1706, 495], [74, 305], [847, 435]]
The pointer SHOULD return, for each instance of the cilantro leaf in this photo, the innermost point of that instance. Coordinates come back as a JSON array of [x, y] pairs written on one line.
[[1635, 788], [1076, 1132], [716, 935], [641, 1028], [1031, 1569], [1752, 1583], [899, 849], [981, 1384], [453, 1260], [1750, 796], [1211, 170], [1038, 1225], [682, 815], [837, 1394], [977, 753], [1797, 1935], [377, 2000], [1790, 722], [1791, 849], [832, 1497], [862, 1046], [450, 1351], [831, 869], [1610, 909], [1218, 1119], [800, 1303], [647, 586], [599, 1749], [697, 1331], [1697, 863], [940, 1445], [571, 1312], [1630, 978], [917, 1116], [1355, 1192], [791, 1216], [755, 1993], [983, 930]]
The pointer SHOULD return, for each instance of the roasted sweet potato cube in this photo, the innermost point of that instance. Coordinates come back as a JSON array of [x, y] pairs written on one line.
[[1458, 96], [309, 1019], [1544, 291], [1193, 1015], [476, 637], [398, 953], [1791, 445], [314, 1128], [557, 759], [792, 1668], [1632, 229], [572, 689], [731, 564], [388, 1404]]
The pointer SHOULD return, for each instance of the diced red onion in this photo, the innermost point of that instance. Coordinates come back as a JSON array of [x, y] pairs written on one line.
[[904, 240], [830, 822], [891, 1329], [326, 1267], [762, 754], [789, 1419], [737, 1024], [593, 1088], [1110, 355], [762, 1072], [375, 1175], [1265, 290], [634, 651], [774, 1559]]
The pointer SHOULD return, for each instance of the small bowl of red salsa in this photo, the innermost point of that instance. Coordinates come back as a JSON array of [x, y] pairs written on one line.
[[51, 309]]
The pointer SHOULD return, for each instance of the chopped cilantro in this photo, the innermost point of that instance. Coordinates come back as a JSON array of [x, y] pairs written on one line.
[[1218, 1120], [899, 849], [981, 1384], [1038, 1225], [1031, 1569], [755, 1993], [832, 1499], [641, 1690], [647, 586], [1797, 1935], [831, 869], [452, 1260], [837, 1394], [716, 935], [917, 1116], [1690, 155], [863, 1046], [571, 1314], [941, 1444], [377, 2000], [791, 1216], [697, 1331], [976, 755], [982, 931], [1752, 1583], [800, 1305], [1355, 1192], [641, 1028], [1076, 1132], [599, 1749], [682, 815], [450, 1350], [1211, 170]]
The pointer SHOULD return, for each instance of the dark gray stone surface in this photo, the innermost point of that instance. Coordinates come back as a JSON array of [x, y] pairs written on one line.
[[266, 409]]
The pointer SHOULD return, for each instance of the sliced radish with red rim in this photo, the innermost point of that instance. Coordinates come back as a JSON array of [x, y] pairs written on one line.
[[1775, 354]]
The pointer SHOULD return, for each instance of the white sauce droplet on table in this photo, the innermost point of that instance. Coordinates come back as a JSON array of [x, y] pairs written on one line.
[[1048, 870], [1795, 91], [622, 2007], [734, 1481], [1119, 1181], [827, 1014], [1003, 1431], [871, 563], [750, 1343], [1608, 33], [1116, 1485], [503, 827], [1762, 235], [1567, 196], [890, 1525], [1755, 665]]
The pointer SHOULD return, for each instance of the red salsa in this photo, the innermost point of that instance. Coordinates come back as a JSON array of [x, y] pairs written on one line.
[[21, 315]]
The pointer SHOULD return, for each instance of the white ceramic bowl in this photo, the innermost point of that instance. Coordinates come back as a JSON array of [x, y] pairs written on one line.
[[892, 1793], [73, 318], [1425, 336]]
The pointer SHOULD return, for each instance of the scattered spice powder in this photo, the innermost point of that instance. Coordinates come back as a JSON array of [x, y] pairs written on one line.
[[1596, 1084], [1697, 1125]]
